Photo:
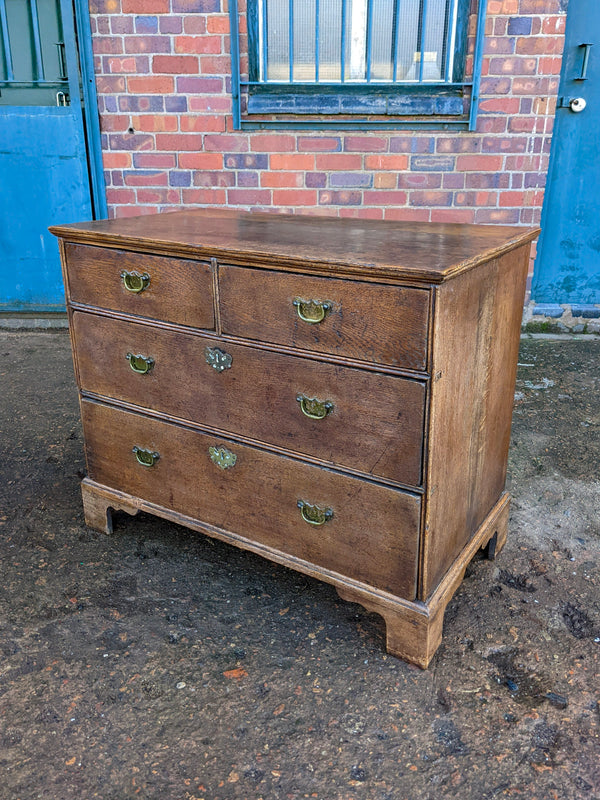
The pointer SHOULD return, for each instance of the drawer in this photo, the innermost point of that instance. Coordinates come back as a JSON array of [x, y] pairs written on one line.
[[369, 422], [372, 322], [178, 290], [367, 532]]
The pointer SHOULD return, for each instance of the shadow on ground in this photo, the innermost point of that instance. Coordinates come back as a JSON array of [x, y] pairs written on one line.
[[162, 665]]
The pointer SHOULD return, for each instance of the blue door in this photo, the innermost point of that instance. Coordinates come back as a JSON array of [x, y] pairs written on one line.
[[567, 268], [44, 176]]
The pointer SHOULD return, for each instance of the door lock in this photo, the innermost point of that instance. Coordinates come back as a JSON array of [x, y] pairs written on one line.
[[577, 104]]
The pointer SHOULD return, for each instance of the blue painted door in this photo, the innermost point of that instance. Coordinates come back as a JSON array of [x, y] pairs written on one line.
[[567, 268], [44, 176]]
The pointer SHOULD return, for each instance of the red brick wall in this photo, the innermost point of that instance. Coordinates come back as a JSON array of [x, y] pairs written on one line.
[[163, 71]]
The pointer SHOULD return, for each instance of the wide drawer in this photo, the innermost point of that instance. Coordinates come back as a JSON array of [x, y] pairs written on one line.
[[369, 422], [372, 322], [367, 532], [172, 289]]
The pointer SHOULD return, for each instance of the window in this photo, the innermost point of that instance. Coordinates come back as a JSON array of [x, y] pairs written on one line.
[[369, 61]]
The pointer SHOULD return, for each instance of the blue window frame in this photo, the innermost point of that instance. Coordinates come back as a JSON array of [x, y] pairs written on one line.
[[356, 63]]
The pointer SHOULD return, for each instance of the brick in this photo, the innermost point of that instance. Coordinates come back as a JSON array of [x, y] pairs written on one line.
[[549, 66], [459, 144], [111, 122], [214, 65], [499, 44], [141, 103], [135, 141], [519, 26], [476, 199], [175, 65], [497, 216], [246, 161], [178, 141], [412, 144], [361, 213], [350, 180], [554, 25], [176, 105], [121, 25], [154, 160], [146, 24], [463, 215], [273, 143], [512, 199], [147, 44], [110, 84], [340, 198], [513, 66], [196, 6], [113, 160], [521, 124], [214, 179], [295, 197], [127, 64], [145, 6], [539, 45], [282, 179], [196, 85], [541, 6], [217, 23], [249, 197], [407, 214], [315, 180], [145, 177], [211, 103], [482, 180], [120, 196], [198, 44], [225, 143], [533, 180], [165, 196], [396, 163], [432, 163], [385, 198], [150, 84], [479, 163], [194, 24], [247, 177], [107, 44], [504, 144], [385, 180], [491, 124], [500, 105], [495, 86], [199, 123], [135, 211], [454, 180], [292, 161], [170, 24], [419, 180], [338, 161], [154, 122], [430, 198], [319, 144], [207, 161], [365, 144], [204, 197]]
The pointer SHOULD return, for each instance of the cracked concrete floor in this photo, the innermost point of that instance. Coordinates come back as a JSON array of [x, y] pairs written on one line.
[[160, 664]]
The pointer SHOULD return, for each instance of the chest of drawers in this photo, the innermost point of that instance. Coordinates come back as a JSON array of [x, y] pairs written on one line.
[[335, 395]]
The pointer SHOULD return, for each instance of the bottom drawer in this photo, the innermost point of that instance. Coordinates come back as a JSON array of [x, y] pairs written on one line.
[[350, 526]]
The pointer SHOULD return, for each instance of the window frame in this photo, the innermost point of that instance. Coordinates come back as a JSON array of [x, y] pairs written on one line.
[[373, 104]]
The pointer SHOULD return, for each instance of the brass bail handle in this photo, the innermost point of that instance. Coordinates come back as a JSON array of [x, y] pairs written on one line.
[[135, 282], [314, 515], [312, 311], [313, 408], [147, 458], [139, 363]]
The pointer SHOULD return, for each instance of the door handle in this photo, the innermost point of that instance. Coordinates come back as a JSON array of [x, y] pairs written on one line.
[[584, 64]]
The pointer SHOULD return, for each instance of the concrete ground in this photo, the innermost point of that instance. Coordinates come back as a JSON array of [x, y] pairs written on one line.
[[160, 664]]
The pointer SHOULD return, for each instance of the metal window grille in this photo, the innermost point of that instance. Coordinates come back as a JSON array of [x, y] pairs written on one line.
[[356, 41]]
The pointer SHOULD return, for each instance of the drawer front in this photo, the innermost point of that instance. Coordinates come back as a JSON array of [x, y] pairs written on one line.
[[175, 290], [348, 417], [367, 532], [371, 322]]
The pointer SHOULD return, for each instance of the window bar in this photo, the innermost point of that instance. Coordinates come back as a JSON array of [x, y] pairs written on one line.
[[343, 42], [291, 37], [10, 75], [317, 54], [422, 35], [395, 40], [235, 64], [448, 38], [265, 40], [369, 38], [37, 42], [477, 59]]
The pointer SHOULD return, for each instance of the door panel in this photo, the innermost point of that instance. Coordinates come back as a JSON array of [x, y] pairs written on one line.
[[567, 269], [43, 160]]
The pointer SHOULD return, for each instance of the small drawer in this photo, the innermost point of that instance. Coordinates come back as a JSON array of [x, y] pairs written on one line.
[[348, 417], [344, 524], [171, 289], [378, 323]]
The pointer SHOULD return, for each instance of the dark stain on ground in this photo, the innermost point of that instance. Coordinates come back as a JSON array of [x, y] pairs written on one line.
[[162, 665]]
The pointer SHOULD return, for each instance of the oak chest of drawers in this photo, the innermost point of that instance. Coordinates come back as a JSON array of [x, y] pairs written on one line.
[[335, 395]]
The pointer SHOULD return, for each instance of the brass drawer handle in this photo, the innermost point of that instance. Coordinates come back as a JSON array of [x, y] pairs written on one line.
[[222, 457], [139, 363], [147, 458], [314, 515], [313, 408], [218, 359], [134, 282], [312, 311]]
